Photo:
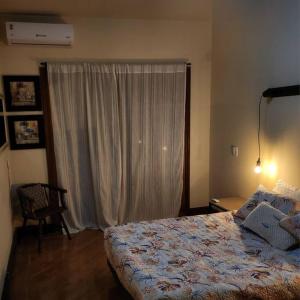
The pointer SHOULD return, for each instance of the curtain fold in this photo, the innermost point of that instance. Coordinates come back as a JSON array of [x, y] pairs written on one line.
[[118, 140]]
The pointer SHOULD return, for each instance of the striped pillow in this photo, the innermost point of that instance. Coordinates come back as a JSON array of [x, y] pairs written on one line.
[[282, 203], [264, 220], [292, 225]]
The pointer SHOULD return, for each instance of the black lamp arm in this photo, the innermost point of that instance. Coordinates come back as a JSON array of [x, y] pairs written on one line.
[[285, 91]]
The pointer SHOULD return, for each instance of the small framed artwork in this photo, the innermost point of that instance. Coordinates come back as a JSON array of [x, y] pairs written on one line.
[[26, 132], [22, 93]]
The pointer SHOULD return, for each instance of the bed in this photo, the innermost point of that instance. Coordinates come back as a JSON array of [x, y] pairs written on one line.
[[200, 257]]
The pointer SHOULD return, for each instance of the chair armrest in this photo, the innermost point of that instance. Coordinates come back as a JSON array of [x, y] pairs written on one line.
[[61, 192], [54, 188], [62, 199]]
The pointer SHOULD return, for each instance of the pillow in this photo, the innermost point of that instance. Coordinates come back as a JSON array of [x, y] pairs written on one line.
[[292, 225], [286, 189], [264, 220], [281, 187], [284, 204], [37, 193], [262, 188]]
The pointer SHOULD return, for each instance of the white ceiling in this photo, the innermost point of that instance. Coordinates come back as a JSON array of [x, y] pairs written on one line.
[[131, 9]]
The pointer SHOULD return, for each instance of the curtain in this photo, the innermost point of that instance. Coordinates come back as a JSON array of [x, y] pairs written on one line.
[[118, 140]]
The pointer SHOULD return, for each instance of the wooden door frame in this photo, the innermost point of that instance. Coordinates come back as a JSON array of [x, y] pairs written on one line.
[[185, 201], [49, 138]]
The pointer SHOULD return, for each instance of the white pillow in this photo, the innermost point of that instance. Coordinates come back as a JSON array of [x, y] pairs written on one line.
[[264, 220], [295, 195], [262, 188], [282, 187], [283, 203], [292, 225], [286, 189]]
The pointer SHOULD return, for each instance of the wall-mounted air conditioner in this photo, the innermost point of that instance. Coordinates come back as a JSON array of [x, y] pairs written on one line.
[[39, 33]]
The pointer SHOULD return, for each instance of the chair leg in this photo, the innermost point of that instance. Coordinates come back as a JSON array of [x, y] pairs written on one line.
[[65, 226], [24, 222], [21, 233], [45, 226], [40, 235]]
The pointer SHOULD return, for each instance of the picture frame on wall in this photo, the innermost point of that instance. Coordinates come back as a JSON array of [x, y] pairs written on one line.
[[22, 93], [3, 139], [26, 132]]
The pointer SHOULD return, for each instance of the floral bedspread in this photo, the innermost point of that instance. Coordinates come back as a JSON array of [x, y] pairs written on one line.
[[200, 257]]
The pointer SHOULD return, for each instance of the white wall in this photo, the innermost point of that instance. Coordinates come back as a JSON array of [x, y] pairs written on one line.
[[5, 213], [255, 46], [5, 217], [282, 116], [128, 39]]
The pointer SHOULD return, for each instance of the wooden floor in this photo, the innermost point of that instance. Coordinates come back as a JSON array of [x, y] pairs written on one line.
[[75, 269]]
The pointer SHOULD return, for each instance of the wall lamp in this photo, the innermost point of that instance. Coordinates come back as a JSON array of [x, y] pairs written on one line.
[[285, 91]]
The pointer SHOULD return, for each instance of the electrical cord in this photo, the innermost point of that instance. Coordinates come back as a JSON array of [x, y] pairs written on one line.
[[259, 127]]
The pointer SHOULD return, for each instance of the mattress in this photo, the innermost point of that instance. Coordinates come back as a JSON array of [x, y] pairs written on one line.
[[200, 257]]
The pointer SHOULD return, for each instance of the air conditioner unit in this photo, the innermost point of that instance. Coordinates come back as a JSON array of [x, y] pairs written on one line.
[[39, 34]]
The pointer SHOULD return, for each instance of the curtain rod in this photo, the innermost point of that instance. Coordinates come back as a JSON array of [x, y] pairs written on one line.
[[123, 61]]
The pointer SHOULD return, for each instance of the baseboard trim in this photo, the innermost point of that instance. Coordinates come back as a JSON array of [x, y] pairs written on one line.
[[10, 266]]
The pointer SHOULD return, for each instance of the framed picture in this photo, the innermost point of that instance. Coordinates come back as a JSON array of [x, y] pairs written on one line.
[[2, 126], [22, 93], [26, 132]]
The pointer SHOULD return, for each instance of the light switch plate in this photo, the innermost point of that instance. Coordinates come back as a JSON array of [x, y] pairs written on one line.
[[235, 150]]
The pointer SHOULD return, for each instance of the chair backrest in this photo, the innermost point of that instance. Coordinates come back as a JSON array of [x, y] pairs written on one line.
[[32, 197]]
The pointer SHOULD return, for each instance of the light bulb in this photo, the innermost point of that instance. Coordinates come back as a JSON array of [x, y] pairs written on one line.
[[258, 169]]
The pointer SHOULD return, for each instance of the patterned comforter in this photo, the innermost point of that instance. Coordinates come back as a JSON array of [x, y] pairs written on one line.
[[200, 257]]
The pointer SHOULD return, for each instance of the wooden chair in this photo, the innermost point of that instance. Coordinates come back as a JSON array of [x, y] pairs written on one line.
[[39, 201]]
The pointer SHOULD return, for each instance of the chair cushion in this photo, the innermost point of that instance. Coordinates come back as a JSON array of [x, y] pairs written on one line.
[[282, 203], [292, 225], [37, 194], [264, 220]]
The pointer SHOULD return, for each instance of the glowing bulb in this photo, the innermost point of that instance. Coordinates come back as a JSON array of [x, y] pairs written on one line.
[[258, 169]]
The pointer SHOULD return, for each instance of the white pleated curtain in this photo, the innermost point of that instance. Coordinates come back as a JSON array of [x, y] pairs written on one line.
[[118, 140]]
